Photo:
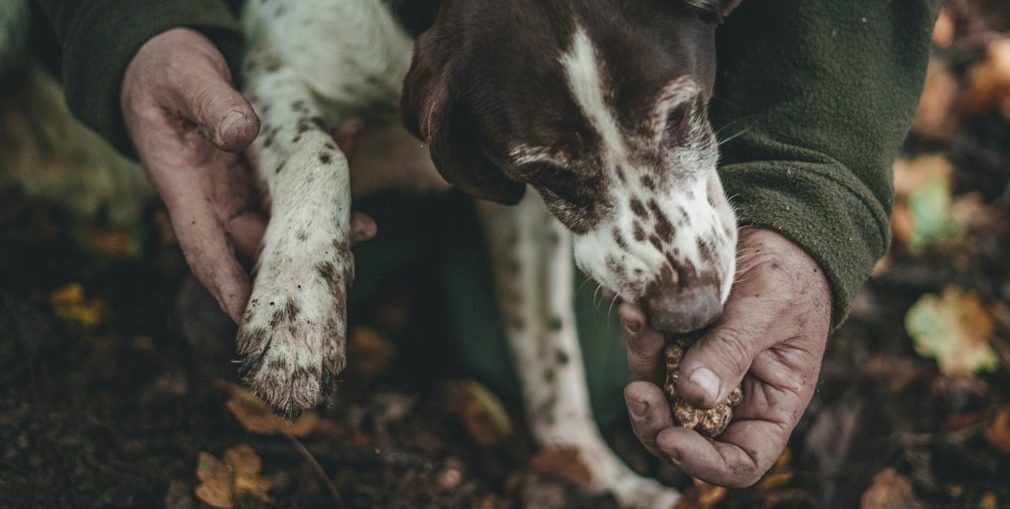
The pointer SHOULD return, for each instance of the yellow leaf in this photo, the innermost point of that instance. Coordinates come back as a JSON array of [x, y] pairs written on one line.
[[955, 329], [69, 304]]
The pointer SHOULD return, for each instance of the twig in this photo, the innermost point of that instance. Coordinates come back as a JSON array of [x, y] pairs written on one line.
[[305, 453], [350, 455]]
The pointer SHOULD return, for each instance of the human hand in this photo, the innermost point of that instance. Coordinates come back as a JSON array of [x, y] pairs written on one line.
[[771, 336], [189, 126]]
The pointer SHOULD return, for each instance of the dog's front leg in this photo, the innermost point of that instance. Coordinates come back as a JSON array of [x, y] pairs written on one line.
[[531, 257], [292, 334]]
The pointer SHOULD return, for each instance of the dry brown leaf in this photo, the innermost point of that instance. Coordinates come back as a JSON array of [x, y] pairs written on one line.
[[562, 462], [998, 433], [216, 487], [934, 116], [988, 501], [246, 465], [890, 490], [955, 329], [780, 474], [114, 244], [971, 211], [701, 495], [257, 417], [370, 353], [989, 82], [945, 29], [221, 482]]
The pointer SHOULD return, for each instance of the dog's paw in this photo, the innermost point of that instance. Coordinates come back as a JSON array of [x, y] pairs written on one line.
[[292, 337]]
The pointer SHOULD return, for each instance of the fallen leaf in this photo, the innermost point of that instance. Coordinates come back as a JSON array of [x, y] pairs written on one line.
[[701, 495], [451, 474], [890, 490], [944, 29], [216, 487], [955, 329], [988, 501], [370, 354], [780, 474], [115, 244], [255, 416], [933, 116], [988, 83], [246, 465], [221, 482], [998, 433], [69, 304], [483, 415], [923, 210], [562, 462]]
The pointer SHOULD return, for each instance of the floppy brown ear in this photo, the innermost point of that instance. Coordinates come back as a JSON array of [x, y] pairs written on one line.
[[433, 115], [717, 10], [729, 6]]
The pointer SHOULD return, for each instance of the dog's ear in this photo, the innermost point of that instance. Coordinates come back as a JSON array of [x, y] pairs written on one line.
[[715, 10], [432, 114]]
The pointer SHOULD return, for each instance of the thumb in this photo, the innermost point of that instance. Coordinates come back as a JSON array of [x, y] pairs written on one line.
[[223, 115], [716, 364]]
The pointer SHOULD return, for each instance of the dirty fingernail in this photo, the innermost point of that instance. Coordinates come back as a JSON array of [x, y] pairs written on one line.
[[633, 326], [637, 408], [707, 380], [230, 121], [674, 458]]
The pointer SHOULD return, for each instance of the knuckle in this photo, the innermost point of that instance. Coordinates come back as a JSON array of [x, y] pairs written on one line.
[[733, 346]]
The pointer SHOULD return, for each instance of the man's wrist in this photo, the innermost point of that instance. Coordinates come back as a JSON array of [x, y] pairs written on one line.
[[102, 38]]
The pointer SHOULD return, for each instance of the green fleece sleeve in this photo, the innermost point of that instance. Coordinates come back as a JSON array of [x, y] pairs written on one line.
[[100, 37], [814, 98]]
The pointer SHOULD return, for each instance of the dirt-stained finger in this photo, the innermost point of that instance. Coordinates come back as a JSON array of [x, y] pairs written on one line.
[[648, 413], [745, 451], [644, 345]]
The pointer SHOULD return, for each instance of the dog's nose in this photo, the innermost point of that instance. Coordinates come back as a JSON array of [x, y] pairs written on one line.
[[679, 311]]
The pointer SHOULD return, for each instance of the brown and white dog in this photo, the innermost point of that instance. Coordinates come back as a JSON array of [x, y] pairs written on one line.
[[598, 105]]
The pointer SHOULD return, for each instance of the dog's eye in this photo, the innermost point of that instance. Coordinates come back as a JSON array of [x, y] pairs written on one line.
[[678, 124], [539, 170]]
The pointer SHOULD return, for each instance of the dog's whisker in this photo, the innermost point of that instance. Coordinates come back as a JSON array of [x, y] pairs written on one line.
[[734, 136]]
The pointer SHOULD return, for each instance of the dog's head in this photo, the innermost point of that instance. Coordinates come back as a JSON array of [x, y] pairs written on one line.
[[601, 106]]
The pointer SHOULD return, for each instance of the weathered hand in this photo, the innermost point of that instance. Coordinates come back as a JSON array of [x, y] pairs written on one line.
[[189, 126], [771, 337]]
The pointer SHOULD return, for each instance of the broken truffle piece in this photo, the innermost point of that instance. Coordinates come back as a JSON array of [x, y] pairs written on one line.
[[710, 423]]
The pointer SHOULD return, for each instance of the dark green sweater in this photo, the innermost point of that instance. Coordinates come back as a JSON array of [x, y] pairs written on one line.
[[813, 97]]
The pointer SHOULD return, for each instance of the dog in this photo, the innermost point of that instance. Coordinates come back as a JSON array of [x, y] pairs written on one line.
[[600, 107]]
